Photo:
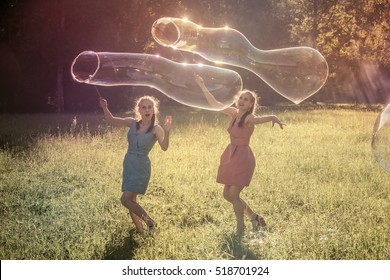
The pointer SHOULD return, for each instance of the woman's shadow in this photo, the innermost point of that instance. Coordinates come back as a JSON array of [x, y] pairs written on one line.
[[231, 244], [235, 246], [124, 250]]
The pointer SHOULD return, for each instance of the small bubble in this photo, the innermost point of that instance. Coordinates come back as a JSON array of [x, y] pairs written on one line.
[[380, 143]]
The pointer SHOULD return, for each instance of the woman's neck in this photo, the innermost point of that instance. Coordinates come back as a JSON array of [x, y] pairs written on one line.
[[144, 123], [240, 113]]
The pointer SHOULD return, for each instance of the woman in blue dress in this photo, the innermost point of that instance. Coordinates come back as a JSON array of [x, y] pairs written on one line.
[[142, 135]]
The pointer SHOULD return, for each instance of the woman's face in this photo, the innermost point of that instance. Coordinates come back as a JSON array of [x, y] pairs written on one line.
[[146, 109], [244, 102]]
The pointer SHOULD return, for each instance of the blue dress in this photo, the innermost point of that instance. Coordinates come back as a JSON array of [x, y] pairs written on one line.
[[136, 164]]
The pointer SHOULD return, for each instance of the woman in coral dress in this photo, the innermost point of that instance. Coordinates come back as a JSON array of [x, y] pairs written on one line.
[[237, 162]]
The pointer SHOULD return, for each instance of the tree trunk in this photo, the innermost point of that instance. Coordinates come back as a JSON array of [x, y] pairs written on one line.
[[60, 88], [60, 60]]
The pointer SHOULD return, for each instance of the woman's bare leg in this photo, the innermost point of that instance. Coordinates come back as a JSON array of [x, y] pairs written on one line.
[[240, 207], [137, 213], [232, 194], [136, 219]]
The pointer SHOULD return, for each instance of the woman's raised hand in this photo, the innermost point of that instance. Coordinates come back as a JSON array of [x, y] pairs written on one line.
[[168, 123], [103, 103]]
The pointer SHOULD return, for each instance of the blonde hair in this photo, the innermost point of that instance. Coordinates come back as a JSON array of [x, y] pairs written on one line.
[[156, 106]]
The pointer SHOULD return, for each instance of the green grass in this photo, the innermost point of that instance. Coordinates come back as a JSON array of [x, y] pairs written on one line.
[[316, 183]]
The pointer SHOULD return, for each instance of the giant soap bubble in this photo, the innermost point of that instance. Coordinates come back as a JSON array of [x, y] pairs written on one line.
[[295, 73], [381, 139], [176, 80]]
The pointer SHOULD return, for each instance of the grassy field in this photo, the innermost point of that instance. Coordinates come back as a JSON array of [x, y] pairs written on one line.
[[316, 183]]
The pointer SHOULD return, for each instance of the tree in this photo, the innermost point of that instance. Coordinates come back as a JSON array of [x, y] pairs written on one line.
[[39, 40], [349, 33]]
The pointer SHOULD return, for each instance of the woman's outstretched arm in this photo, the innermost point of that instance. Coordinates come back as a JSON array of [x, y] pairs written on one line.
[[263, 119], [110, 118], [211, 99]]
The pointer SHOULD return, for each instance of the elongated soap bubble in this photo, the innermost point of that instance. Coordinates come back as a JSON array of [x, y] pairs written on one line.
[[380, 143], [295, 73], [176, 80]]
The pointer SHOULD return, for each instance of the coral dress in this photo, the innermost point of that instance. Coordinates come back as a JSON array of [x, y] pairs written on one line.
[[136, 164], [237, 162]]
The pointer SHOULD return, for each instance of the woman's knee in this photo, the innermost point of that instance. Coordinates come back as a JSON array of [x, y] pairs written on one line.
[[232, 194], [127, 197], [227, 196], [123, 200]]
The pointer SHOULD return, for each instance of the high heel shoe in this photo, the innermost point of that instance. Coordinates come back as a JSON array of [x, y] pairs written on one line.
[[258, 223], [150, 224], [151, 227]]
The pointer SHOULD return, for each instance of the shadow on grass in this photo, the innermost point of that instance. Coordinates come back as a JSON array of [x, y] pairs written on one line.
[[124, 250], [16, 144], [235, 246]]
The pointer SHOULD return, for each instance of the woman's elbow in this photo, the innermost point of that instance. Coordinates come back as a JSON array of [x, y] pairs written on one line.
[[164, 146]]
